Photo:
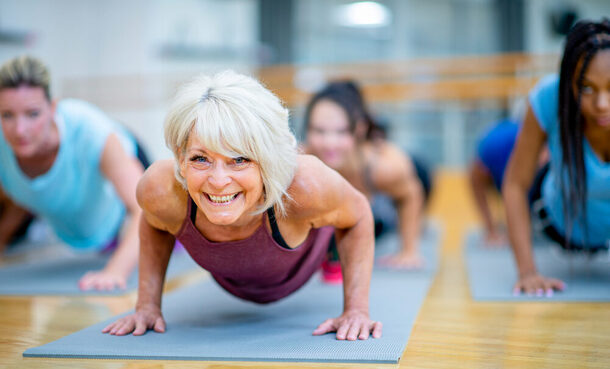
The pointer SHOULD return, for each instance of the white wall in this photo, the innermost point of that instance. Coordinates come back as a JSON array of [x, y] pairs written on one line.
[[538, 35], [110, 52]]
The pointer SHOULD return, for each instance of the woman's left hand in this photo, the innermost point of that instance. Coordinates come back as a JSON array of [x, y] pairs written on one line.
[[351, 325], [102, 280], [403, 260]]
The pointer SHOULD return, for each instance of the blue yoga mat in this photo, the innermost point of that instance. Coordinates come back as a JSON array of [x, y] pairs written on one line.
[[206, 323], [429, 242], [492, 272], [60, 276]]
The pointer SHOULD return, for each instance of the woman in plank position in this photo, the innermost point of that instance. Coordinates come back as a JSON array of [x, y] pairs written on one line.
[[247, 207], [571, 196], [341, 132], [72, 165]]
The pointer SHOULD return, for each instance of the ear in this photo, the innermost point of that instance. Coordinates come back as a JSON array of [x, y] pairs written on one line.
[[360, 131], [182, 164]]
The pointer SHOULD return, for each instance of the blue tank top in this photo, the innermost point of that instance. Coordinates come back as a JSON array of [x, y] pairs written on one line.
[[544, 100], [73, 196]]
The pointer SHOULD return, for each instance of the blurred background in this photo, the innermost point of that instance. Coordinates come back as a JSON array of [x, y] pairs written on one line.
[[435, 72]]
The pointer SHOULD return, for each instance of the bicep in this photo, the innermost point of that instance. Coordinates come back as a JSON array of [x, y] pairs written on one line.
[[396, 176], [524, 158], [121, 169], [335, 202]]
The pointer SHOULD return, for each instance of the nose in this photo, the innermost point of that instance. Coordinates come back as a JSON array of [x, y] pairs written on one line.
[[21, 126], [330, 139], [602, 102], [219, 176]]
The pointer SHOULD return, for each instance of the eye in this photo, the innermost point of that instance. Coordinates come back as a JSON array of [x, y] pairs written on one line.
[[586, 89], [33, 113], [240, 160], [198, 159]]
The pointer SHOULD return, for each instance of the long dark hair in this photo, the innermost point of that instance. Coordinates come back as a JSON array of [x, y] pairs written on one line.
[[583, 41], [347, 95]]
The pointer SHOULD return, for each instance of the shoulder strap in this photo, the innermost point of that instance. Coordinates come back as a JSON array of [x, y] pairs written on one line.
[[275, 230]]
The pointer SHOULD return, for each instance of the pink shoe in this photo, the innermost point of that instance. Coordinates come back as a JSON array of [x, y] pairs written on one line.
[[331, 272]]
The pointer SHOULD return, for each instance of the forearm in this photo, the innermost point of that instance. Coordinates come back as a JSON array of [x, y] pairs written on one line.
[[11, 219], [519, 230], [155, 250], [410, 211], [479, 189], [125, 257], [356, 253]]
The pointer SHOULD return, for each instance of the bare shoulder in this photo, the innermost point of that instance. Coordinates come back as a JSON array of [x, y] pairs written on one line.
[[392, 165], [310, 176], [161, 196], [312, 180]]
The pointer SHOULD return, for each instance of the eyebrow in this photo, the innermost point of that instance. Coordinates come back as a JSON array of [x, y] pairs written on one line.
[[587, 81]]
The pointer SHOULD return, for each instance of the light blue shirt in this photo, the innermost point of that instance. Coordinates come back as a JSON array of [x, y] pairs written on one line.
[[79, 203], [544, 100]]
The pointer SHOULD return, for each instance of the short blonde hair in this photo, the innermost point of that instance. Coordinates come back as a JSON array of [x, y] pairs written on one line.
[[234, 115], [25, 71]]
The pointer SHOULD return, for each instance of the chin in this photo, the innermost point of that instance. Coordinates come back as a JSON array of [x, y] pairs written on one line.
[[221, 219], [24, 151]]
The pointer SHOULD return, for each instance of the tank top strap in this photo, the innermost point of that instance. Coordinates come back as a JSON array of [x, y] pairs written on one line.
[[275, 230], [191, 211]]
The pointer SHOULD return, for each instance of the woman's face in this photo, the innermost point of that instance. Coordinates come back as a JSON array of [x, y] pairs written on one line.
[[595, 93], [329, 136], [26, 117], [226, 189]]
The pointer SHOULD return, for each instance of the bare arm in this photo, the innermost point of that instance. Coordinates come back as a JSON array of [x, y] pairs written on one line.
[[12, 217], [396, 177], [123, 171], [517, 181], [160, 218], [480, 180], [335, 202]]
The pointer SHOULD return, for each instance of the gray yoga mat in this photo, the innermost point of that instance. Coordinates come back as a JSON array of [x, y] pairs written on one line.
[[492, 272], [60, 276], [429, 244], [206, 323]]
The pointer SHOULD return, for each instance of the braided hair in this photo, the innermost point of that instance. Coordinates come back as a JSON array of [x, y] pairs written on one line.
[[584, 40]]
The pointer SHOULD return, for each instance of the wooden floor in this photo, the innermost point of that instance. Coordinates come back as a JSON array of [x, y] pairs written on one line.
[[451, 331]]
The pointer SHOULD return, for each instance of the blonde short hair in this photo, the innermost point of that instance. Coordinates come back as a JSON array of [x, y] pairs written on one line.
[[234, 115], [25, 71]]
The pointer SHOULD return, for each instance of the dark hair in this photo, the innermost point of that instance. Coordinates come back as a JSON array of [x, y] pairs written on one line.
[[583, 41], [347, 95]]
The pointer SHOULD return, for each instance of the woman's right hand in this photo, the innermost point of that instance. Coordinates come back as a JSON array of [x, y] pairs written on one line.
[[138, 323], [535, 284]]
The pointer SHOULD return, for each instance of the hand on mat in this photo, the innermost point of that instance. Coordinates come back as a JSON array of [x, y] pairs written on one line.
[[535, 284], [350, 326], [102, 280], [138, 323], [403, 260], [495, 239]]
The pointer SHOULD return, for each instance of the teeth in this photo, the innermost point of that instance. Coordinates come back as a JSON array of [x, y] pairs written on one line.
[[222, 199]]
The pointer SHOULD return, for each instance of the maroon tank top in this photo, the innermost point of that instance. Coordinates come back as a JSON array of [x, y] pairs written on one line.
[[256, 268]]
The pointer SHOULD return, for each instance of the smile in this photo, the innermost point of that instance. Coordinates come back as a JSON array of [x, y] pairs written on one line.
[[222, 199]]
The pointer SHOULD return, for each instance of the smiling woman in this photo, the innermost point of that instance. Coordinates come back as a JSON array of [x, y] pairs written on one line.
[[247, 207]]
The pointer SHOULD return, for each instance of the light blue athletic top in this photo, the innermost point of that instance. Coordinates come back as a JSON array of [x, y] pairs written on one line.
[[544, 99], [75, 198]]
